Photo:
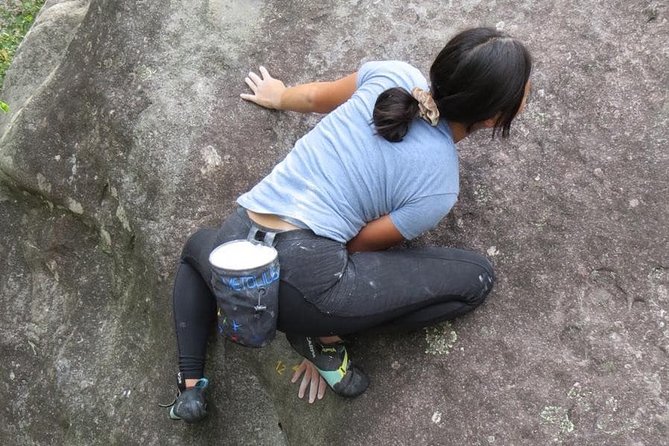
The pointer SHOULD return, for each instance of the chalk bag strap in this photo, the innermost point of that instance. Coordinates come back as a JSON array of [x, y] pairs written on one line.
[[257, 235], [260, 235]]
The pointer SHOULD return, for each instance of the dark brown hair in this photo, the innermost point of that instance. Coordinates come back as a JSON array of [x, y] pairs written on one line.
[[480, 74]]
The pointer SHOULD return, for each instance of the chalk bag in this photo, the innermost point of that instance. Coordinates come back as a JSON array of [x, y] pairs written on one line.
[[245, 281]]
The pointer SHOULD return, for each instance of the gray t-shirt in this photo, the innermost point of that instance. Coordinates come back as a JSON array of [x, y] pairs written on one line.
[[341, 174]]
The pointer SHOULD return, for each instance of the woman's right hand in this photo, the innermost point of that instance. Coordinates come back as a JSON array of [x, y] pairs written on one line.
[[267, 91]]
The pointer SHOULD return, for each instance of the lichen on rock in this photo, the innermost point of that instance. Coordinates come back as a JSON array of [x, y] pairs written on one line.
[[440, 339]]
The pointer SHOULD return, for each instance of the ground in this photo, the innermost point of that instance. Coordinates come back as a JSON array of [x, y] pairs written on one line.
[[126, 133]]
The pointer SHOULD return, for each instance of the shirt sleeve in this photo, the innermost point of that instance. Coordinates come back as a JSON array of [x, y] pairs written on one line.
[[422, 214], [366, 71], [390, 72]]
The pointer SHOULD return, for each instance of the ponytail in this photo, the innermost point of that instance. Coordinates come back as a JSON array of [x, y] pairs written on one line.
[[480, 74], [394, 111]]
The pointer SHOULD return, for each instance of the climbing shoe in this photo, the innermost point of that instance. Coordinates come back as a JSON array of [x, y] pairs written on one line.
[[333, 364], [189, 405]]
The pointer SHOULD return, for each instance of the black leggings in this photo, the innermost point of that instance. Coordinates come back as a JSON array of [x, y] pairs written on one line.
[[326, 291]]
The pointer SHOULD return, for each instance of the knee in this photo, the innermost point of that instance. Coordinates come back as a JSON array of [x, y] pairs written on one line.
[[486, 282], [481, 280], [200, 240]]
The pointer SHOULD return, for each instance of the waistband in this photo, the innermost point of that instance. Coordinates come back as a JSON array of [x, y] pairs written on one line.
[[291, 234]]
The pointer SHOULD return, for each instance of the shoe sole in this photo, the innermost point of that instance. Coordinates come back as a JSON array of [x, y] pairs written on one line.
[[174, 416]]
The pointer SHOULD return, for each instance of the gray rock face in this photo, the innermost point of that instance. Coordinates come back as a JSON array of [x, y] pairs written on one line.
[[126, 134]]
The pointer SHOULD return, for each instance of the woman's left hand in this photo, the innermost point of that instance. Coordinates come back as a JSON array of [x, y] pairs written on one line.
[[311, 379]]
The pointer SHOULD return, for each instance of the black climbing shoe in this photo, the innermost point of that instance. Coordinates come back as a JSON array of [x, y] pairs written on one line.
[[333, 364], [190, 405]]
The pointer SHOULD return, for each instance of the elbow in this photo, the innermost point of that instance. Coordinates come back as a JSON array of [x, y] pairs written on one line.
[[319, 101]]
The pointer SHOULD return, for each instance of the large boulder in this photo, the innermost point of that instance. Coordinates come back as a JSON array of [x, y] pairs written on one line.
[[126, 133]]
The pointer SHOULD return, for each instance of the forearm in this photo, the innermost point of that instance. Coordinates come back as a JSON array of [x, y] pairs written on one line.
[[360, 244], [377, 235], [319, 97], [301, 98]]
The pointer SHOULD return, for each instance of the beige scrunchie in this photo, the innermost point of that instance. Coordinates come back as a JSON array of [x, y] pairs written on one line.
[[427, 108]]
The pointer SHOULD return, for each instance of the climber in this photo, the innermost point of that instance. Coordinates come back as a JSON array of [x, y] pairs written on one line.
[[380, 168]]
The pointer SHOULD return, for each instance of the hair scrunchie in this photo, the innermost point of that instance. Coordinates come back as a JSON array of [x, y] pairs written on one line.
[[427, 107]]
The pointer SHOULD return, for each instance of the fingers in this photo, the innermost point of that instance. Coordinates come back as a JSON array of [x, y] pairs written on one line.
[[313, 388], [251, 98], [322, 386], [252, 80], [267, 91], [299, 370], [306, 379], [254, 77], [251, 84], [264, 73]]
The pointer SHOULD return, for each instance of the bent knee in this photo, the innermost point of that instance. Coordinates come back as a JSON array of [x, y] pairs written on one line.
[[481, 283], [486, 281], [198, 242]]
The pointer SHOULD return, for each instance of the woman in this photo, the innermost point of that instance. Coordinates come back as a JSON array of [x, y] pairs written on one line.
[[380, 168]]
